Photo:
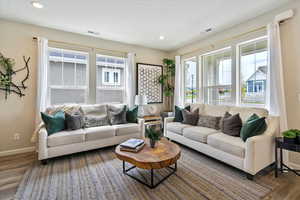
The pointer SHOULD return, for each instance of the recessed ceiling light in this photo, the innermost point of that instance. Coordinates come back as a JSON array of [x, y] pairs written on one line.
[[161, 37], [37, 4]]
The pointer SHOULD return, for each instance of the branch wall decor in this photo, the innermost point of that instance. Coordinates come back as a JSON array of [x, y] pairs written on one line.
[[7, 73]]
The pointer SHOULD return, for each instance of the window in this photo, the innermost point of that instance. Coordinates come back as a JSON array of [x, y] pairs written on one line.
[[110, 79], [190, 80], [253, 58], [217, 79], [233, 75], [67, 76]]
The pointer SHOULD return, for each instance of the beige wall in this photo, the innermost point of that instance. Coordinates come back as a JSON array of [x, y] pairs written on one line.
[[17, 115], [290, 36]]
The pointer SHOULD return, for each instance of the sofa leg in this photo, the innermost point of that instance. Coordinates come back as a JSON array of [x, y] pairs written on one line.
[[250, 177], [44, 162]]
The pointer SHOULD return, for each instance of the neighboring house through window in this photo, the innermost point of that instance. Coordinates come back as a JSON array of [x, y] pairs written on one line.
[[110, 79]]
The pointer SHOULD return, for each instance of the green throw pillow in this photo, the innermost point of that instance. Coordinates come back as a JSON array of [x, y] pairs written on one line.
[[178, 113], [253, 126], [54, 123], [132, 115]]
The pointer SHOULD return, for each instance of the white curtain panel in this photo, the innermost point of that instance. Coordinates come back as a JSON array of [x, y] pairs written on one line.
[[42, 77], [276, 97], [130, 80], [178, 92]]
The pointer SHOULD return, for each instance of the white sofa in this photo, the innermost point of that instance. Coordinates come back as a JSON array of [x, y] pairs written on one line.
[[68, 142], [251, 156]]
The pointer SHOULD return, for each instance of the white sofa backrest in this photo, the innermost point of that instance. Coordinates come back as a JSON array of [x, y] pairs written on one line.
[[220, 110], [95, 109]]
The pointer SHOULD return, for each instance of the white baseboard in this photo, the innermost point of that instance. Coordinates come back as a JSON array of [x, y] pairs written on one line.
[[17, 151], [294, 165]]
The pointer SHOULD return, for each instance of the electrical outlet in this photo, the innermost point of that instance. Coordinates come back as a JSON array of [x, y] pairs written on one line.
[[17, 136]]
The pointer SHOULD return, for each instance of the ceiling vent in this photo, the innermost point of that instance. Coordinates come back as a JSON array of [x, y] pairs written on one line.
[[208, 30], [93, 32]]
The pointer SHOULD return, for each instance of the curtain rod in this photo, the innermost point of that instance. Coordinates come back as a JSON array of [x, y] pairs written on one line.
[[228, 39], [85, 46]]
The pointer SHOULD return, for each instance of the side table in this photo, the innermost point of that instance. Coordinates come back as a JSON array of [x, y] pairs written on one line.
[[153, 121], [280, 144]]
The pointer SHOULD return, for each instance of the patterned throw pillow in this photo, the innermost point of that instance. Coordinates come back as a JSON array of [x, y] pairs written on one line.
[[209, 121], [117, 115], [190, 118], [231, 124], [178, 113], [74, 121], [54, 123], [95, 115]]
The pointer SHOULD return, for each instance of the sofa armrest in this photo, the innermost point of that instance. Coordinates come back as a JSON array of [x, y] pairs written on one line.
[[141, 123], [166, 121], [260, 150], [42, 145]]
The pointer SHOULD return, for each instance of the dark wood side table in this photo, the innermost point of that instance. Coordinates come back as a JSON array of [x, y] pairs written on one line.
[[280, 144]]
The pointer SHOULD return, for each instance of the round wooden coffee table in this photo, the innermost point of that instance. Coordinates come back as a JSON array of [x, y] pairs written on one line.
[[164, 155]]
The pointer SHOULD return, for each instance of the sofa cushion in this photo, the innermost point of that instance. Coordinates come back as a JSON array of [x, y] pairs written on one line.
[[66, 137], [245, 112], [177, 127], [100, 132], [198, 133], [126, 129], [230, 144]]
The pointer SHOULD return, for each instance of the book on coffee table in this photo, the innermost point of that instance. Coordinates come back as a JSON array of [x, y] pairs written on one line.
[[137, 149], [132, 143]]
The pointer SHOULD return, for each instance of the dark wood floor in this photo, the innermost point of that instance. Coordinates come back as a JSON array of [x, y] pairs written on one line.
[[12, 169]]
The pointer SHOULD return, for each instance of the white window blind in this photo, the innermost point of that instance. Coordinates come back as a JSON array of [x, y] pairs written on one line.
[[110, 79], [68, 76], [217, 79]]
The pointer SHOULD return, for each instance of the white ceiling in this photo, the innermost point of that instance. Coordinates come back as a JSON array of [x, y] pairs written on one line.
[[139, 22]]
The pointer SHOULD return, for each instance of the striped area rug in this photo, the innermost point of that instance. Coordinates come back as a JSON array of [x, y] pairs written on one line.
[[98, 175]]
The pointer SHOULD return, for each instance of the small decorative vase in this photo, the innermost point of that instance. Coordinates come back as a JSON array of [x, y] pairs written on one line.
[[289, 140], [152, 143]]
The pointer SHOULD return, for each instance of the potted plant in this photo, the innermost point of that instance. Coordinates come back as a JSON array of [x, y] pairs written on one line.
[[153, 135], [168, 80], [289, 137], [297, 132]]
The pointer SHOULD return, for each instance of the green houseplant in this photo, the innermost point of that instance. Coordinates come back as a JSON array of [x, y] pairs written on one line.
[[289, 136], [153, 135], [167, 79], [297, 132]]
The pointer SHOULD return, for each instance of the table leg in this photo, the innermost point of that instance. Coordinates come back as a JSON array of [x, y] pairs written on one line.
[[124, 167], [276, 161], [151, 177], [281, 161]]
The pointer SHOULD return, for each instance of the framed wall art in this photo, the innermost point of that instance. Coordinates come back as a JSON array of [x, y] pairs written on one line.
[[147, 82]]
